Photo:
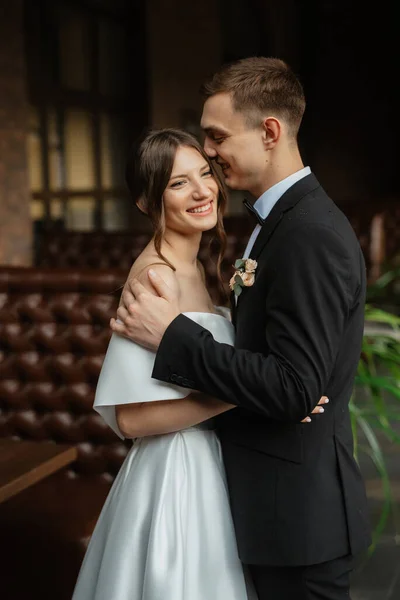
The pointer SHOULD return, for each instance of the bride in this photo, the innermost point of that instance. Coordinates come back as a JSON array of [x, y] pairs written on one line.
[[166, 531]]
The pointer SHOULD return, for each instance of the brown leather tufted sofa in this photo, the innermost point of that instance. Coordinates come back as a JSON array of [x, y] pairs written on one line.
[[377, 226], [119, 250], [53, 336]]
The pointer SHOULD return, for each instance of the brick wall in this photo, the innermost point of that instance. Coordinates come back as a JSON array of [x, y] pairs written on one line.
[[15, 222]]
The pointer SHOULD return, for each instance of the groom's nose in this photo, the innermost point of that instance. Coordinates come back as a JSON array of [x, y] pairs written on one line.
[[209, 148]]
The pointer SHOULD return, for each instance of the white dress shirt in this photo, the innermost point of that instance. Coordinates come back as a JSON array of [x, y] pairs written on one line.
[[268, 199]]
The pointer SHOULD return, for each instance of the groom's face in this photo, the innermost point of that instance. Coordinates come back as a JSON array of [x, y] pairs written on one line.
[[236, 147]]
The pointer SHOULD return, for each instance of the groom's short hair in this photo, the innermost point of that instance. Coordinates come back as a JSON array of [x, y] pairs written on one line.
[[260, 86]]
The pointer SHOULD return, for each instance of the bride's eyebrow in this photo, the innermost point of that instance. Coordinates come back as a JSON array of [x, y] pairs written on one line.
[[205, 166], [178, 176]]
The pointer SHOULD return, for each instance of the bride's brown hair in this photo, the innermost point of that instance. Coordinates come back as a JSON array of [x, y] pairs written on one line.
[[148, 171]]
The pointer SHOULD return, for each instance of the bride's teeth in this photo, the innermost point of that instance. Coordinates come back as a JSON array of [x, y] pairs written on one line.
[[201, 209]]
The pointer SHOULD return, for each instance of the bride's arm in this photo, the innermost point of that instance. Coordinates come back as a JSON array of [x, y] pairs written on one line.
[[167, 416]]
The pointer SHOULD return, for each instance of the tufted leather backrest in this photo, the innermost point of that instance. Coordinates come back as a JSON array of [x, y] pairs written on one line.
[[98, 250], [119, 250], [54, 330], [379, 239]]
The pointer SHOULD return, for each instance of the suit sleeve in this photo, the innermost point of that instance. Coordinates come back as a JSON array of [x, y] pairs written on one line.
[[307, 306]]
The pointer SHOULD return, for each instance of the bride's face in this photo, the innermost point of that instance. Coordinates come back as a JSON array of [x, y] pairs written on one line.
[[191, 196]]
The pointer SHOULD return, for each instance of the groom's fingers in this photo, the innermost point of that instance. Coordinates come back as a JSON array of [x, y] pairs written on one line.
[[117, 327], [122, 313], [132, 294], [127, 298], [160, 286], [138, 291]]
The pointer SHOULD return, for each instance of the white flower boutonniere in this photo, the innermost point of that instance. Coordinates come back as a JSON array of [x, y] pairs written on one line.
[[244, 275]]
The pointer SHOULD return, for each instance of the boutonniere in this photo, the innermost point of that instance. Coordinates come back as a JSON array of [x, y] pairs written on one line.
[[244, 275]]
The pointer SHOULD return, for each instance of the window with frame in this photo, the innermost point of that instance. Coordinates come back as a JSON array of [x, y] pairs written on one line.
[[87, 103]]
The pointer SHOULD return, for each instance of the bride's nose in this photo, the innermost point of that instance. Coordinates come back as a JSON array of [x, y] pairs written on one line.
[[201, 191]]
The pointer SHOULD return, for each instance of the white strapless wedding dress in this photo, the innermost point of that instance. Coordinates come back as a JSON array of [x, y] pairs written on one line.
[[166, 530]]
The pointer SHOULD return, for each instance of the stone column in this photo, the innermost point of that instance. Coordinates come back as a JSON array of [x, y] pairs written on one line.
[[15, 220]]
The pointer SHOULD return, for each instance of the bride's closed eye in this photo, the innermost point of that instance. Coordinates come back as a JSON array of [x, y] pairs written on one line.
[[177, 184]]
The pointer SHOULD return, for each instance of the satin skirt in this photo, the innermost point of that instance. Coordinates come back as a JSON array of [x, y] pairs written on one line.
[[166, 530]]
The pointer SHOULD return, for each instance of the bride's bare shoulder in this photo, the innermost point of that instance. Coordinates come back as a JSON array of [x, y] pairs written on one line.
[[147, 261], [164, 271]]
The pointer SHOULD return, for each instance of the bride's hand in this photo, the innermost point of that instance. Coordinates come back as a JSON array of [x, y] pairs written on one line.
[[318, 409]]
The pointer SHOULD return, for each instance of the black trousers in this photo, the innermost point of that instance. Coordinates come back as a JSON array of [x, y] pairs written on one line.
[[325, 581]]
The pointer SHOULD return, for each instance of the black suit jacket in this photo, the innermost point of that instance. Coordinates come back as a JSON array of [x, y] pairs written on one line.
[[296, 492]]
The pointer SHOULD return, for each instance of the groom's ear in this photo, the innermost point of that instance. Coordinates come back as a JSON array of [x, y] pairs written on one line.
[[271, 131]]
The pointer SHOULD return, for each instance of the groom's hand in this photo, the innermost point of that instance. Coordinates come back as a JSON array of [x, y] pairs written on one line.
[[143, 316]]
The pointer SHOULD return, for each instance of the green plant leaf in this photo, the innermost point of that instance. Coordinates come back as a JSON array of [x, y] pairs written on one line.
[[376, 315], [390, 385], [240, 263], [237, 289], [353, 421], [376, 454]]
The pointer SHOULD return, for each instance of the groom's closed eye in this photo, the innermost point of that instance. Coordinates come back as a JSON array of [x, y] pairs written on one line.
[[218, 138]]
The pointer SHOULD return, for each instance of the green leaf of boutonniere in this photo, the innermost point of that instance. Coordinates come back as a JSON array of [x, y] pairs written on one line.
[[237, 289], [238, 280], [240, 263]]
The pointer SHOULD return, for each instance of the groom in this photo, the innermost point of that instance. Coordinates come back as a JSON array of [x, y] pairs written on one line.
[[298, 500]]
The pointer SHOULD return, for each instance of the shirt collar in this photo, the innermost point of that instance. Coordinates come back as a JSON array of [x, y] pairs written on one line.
[[268, 199]]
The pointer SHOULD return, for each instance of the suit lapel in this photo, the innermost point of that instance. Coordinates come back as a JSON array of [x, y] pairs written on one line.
[[288, 201]]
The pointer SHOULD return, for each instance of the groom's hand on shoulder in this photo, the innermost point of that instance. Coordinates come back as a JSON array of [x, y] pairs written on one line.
[[148, 305]]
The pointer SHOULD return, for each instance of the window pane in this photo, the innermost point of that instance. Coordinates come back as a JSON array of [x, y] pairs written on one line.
[[56, 209], [112, 58], [55, 154], [80, 214], [34, 152], [37, 210], [74, 49], [113, 150], [79, 159], [116, 214]]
